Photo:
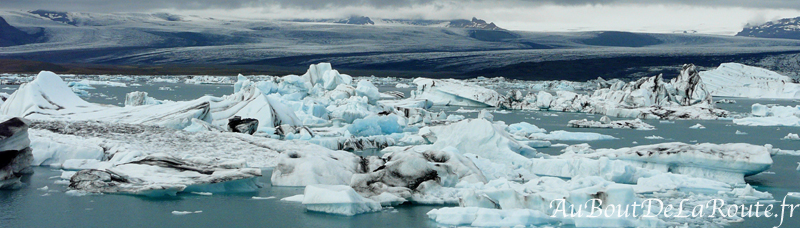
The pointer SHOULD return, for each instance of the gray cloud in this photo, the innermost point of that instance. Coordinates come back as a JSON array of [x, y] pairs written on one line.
[[151, 5]]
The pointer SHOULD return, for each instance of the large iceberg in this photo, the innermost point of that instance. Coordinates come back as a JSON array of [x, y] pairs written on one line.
[[161, 175], [120, 143], [48, 98], [396, 177], [728, 163], [456, 92], [684, 97], [739, 80], [15, 153], [475, 136]]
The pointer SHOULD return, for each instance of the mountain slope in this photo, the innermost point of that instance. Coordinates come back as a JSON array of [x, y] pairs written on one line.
[[137, 39], [11, 36], [787, 28]]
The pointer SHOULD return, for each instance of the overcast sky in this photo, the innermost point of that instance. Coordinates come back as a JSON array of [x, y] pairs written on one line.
[[705, 16]]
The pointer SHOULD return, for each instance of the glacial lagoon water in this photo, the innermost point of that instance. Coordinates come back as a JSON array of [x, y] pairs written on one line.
[[34, 207]]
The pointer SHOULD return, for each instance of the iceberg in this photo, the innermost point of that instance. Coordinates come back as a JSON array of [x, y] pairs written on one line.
[[365, 88], [570, 136], [537, 202], [406, 172], [791, 136], [205, 79], [321, 166], [619, 124], [15, 152], [479, 217], [325, 75], [524, 129], [48, 98], [158, 175], [771, 115], [728, 163], [456, 92], [375, 125], [476, 136], [697, 126], [115, 143], [739, 80], [51, 149], [684, 97], [337, 199], [551, 200], [139, 98], [84, 83]]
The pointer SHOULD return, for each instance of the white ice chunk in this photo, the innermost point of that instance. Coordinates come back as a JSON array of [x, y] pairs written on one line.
[[697, 126], [337, 199]]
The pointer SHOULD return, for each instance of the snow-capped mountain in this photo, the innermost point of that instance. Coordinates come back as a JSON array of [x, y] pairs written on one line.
[[357, 20], [474, 23], [11, 36], [63, 17], [787, 28]]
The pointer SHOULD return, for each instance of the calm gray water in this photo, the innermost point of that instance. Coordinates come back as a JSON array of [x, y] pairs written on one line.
[[31, 207]]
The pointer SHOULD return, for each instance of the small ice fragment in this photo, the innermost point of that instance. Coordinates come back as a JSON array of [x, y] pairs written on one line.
[[45, 188], [791, 136], [654, 137], [263, 198], [185, 212], [697, 126], [795, 195], [76, 193], [740, 132], [66, 175], [294, 198], [202, 193]]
